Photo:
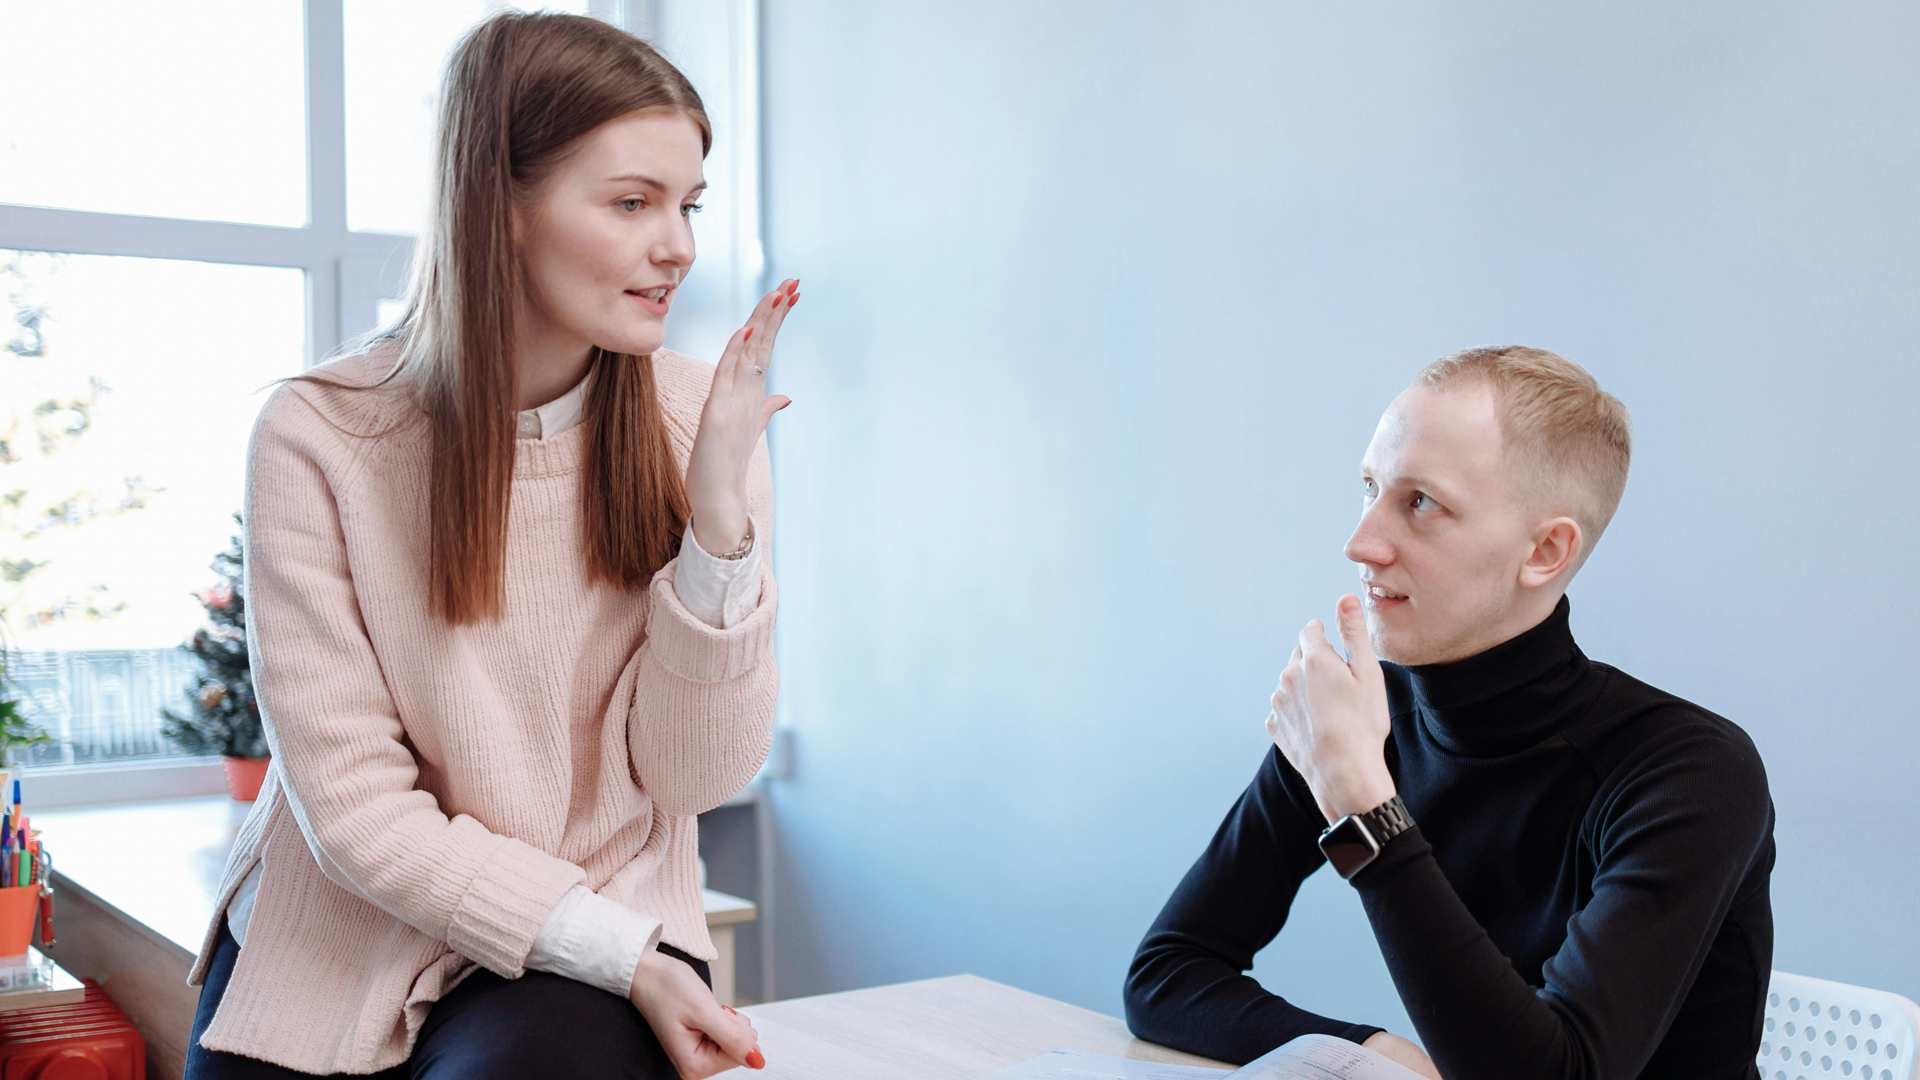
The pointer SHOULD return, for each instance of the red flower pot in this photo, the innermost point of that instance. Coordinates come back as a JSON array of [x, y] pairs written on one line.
[[245, 775]]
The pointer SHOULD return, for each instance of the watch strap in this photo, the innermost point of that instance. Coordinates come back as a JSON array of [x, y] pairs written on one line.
[[1388, 820]]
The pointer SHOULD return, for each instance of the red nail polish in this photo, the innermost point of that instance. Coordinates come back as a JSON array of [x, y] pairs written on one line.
[[755, 1059], [748, 334]]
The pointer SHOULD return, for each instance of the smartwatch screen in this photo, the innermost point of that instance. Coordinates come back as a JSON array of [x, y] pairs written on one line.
[[1349, 846]]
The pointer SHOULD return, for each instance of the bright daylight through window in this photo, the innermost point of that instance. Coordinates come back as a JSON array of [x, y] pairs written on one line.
[[119, 376]]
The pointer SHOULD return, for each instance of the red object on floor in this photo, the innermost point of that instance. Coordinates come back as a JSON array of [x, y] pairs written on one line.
[[87, 1041]]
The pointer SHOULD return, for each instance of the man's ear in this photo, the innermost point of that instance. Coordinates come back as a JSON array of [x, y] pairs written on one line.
[[1557, 544]]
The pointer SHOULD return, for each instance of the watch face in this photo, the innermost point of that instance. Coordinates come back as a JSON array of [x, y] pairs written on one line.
[[1348, 846]]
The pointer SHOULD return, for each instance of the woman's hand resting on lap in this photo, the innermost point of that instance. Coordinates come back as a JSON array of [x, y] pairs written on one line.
[[737, 411], [701, 1036], [1401, 1052]]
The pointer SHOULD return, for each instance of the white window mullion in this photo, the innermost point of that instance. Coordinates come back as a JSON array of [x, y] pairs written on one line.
[[716, 44], [641, 18], [82, 232], [749, 253], [326, 173], [367, 278]]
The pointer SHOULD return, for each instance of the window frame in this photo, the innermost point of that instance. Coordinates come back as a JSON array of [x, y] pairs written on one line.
[[347, 274]]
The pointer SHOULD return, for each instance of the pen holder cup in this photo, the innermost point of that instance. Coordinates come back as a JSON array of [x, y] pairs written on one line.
[[18, 907]]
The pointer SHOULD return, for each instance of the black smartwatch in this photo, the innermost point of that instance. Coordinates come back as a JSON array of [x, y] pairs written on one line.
[[1355, 840]]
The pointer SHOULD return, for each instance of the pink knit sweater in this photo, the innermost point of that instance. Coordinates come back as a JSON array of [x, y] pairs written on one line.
[[435, 789]]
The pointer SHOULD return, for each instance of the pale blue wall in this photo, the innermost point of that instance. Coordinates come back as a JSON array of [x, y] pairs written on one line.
[[1101, 303]]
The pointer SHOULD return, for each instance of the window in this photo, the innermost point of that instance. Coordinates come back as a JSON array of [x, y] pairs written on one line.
[[129, 387], [204, 206], [199, 117]]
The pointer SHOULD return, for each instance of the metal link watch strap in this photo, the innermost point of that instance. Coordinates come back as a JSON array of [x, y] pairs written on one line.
[[737, 553], [1388, 820], [1356, 840]]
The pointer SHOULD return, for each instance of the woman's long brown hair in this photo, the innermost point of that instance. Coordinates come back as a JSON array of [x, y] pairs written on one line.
[[520, 89]]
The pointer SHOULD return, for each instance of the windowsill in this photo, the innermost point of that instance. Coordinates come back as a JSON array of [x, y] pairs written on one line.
[[99, 785], [106, 785], [157, 864]]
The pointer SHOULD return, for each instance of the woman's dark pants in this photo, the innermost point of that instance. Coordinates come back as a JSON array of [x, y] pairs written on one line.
[[487, 1027]]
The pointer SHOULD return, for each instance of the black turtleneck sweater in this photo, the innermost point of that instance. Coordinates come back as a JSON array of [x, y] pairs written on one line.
[[1584, 893]]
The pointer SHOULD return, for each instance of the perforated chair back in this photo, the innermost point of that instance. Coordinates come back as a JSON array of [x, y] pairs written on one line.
[[1820, 1030]]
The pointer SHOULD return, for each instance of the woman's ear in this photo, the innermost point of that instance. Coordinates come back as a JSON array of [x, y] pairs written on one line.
[[1557, 544]]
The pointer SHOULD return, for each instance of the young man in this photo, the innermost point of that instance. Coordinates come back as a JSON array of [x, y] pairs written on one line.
[[1565, 868]]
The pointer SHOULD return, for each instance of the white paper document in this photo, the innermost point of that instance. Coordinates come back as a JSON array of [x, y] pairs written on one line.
[[1309, 1057], [1322, 1057], [1074, 1065]]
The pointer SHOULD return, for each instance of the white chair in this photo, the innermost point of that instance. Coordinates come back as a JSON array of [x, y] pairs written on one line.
[[1820, 1030]]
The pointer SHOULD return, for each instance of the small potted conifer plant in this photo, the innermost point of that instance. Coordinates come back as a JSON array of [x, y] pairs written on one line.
[[222, 716]]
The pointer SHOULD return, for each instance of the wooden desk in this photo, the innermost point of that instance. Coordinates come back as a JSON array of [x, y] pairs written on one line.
[[957, 1028]]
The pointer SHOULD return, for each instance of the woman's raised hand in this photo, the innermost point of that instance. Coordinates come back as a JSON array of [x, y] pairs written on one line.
[[737, 411]]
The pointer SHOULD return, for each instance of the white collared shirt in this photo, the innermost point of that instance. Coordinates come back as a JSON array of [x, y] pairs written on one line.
[[556, 416]]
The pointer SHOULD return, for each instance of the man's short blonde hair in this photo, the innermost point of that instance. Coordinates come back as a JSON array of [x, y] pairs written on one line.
[[1568, 441]]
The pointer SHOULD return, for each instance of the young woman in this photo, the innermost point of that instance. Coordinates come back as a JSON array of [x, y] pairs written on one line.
[[511, 620]]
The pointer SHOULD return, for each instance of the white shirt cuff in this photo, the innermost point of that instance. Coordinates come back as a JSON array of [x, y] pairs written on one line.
[[719, 592], [591, 939]]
